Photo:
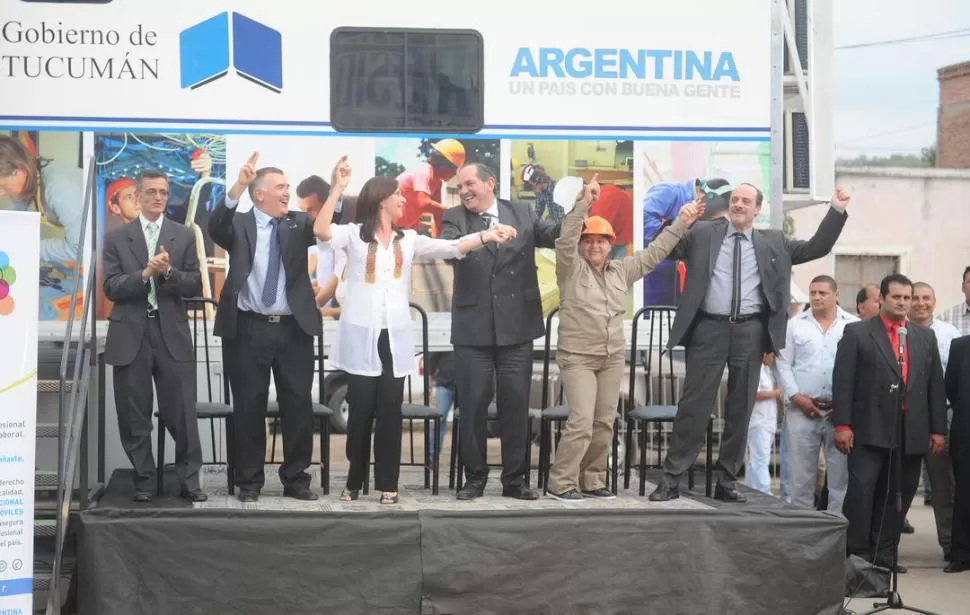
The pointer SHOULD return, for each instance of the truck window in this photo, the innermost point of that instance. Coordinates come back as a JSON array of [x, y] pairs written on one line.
[[396, 80]]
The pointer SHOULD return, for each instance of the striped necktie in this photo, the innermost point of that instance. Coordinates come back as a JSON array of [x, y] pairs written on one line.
[[152, 246]]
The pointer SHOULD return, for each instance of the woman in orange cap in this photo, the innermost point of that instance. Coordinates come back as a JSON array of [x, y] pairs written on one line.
[[591, 347]]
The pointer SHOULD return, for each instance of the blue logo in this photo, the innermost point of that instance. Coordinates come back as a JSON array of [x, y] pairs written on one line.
[[210, 47]]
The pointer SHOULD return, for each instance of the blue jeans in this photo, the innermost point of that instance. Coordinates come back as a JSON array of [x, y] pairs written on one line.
[[444, 397]]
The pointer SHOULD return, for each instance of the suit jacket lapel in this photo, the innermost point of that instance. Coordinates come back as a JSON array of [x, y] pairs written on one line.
[[137, 243], [166, 236], [288, 226], [249, 223], [759, 252], [881, 338], [474, 223], [718, 233]]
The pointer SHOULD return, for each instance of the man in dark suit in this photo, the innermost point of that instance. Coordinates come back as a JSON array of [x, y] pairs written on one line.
[[496, 315], [872, 366], [150, 264], [267, 320], [734, 308], [957, 382]]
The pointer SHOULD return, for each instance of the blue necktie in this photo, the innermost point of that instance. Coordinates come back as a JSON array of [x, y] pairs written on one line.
[[273, 268]]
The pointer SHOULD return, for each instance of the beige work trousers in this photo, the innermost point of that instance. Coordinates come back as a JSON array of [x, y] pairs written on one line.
[[592, 387]]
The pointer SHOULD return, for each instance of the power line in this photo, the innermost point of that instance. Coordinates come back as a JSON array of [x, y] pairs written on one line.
[[886, 133], [937, 36]]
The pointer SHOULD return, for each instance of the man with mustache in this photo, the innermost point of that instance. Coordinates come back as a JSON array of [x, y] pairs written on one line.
[[496, 315], [734, 309]]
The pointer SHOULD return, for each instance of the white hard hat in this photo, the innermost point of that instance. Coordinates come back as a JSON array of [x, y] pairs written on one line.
[[566, 192]]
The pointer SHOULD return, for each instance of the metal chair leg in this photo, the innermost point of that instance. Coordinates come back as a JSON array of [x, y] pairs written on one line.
[[643, 461], [628, 454], [437, 455], [427, 453], [160, 469], [708, 488], [453, 454], [615, 473], [230, 456], [325, 453]]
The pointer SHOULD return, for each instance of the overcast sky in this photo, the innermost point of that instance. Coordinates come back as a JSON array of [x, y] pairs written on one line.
[[886, 97]]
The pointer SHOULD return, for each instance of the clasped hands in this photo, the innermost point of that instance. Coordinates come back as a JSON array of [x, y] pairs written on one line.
[[499, 233], [157, 265]]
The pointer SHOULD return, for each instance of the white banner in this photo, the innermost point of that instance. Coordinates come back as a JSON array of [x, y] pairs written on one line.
[[19, 287], [690, 69]]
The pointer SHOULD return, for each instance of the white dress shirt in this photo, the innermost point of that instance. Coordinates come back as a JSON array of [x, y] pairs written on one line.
[[371, 308], [805, 363], [945, 333], [250, 298], [144, 229]]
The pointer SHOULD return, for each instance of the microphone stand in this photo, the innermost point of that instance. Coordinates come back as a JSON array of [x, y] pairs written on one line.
[[894, 601]]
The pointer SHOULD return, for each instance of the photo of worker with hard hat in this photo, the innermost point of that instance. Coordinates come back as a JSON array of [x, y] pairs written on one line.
[[591, 347], [425, 170]]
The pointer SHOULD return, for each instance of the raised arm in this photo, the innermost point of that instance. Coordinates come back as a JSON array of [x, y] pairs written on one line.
[[567, 244], [644, 261], [825, 236], [340, 177], [220, 222]]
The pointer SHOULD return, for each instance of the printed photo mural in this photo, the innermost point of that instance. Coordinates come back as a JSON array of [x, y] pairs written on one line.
[[195, 165], [42, 172]]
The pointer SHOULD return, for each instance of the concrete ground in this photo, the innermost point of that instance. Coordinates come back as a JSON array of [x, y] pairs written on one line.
[[925, 586]]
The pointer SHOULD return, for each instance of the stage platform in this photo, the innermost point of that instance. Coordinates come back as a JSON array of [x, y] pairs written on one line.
[[434, 555]]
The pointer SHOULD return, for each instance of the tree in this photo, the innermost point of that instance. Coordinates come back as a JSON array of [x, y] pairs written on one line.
[[387, 168], [928, 154]]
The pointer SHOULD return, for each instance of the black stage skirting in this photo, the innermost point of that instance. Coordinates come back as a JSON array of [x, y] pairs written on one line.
[[757, 558]]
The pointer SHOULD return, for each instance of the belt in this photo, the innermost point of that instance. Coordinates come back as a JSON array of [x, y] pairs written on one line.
[[732, 319], [152, 312], [271, 318]]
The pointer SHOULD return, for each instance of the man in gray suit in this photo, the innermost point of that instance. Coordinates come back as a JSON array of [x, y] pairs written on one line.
[[496, 315], [734, 308], [150, 264]]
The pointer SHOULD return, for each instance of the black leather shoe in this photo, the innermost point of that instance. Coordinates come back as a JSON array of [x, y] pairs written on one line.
[[300, 493], [908, 527], [195, 495], [471, 491], [520, 493], [664, 494], [729, 495], [248, 496], [142, 498], [957, 567]]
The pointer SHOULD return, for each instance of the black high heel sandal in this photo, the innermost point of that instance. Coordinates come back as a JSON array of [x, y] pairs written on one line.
[[387, 498], [349, 495]]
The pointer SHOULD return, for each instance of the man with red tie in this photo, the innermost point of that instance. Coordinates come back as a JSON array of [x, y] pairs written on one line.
[[874, 365]]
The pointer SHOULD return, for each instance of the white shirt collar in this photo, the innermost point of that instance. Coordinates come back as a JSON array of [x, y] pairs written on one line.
[[492, 211], [840, 314], [145, 222]]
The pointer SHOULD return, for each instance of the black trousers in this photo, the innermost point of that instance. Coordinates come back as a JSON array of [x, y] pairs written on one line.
[[870, 503], [283, 348], [510, 369], [176, 385], [960, 541], [712, 345], [375, 401]]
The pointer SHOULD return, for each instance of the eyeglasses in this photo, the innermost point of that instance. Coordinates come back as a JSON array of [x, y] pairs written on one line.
[[156, 192]]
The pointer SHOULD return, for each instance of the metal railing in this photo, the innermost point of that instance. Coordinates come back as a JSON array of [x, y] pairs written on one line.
[[72, 410]]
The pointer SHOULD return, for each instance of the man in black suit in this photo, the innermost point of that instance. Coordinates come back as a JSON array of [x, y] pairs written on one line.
[[267, 320], [496, 315], [872, 367], [734, 308], [150, 264], [957, 382]]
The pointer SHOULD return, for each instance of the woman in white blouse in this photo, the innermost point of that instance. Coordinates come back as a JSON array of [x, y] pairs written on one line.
[[375, 338]]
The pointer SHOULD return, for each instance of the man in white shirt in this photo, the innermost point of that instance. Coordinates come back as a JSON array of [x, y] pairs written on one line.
[[959, 314], [805, 371], [939, 468]]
